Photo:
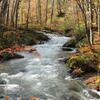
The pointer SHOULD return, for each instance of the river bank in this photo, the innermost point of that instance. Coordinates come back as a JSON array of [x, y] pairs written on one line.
[[85, 63], [14, 41]]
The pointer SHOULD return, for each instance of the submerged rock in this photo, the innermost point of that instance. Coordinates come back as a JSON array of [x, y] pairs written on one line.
[[2, 82]]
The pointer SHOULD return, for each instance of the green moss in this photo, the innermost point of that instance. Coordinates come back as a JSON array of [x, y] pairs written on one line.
[[79, 37], [6, 56], [87, 62], [28, 37], [70, 43], [82, 43]]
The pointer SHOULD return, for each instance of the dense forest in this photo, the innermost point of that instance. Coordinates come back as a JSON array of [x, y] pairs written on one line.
[[22, 23]]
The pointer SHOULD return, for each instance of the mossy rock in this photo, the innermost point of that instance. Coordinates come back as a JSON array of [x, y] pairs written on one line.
[[70, 43], [87, 63], [27, 37], [82, 43], [76, 40]]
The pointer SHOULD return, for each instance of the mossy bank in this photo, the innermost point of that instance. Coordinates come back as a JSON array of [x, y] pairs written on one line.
[[21, 36], [85, 62]]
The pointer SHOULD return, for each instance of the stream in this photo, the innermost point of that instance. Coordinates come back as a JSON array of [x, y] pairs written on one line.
[[43, 75]]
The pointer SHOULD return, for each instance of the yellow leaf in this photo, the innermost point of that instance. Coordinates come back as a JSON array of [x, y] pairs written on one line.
[[98, 81], [99, 67]]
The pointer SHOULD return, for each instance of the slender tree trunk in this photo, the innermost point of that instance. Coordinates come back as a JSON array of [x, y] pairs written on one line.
[[59, 6], [3, 11], [98, 1], [90, 22], [12, 14], [36, 3], [22, 12], [39, 11], [77, 17], [7, 18], [52, 11], [46, 18], [28, 14], [16, 15]]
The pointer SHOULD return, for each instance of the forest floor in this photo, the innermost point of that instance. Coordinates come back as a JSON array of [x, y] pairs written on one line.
[[93, 81], [85, 63]]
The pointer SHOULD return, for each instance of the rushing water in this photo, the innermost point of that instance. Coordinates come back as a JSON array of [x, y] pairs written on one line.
[[42, 75]]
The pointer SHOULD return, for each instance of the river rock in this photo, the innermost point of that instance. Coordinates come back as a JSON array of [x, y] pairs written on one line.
[[2, 81], [94, 94], [70, 43], [17, 56], [67, 49], [6, 55]]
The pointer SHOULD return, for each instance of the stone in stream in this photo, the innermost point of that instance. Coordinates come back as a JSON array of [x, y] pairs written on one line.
[[63, 59], [32, 50], [67, 49], [2, 82], [94, 94], [72, 98], [17, 56], [8, 56], [71, 43]]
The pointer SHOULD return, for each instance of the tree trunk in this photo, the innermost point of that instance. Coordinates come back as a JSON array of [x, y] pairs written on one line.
[[77, 17], [90, 22], [52, 10], [28, 14], [46, 18], [7, 18], [59, 6], [16, 15], [39, 11], [98, 16]]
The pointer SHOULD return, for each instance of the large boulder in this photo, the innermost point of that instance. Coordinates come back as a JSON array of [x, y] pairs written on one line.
[[74, 40], [71, 43]]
